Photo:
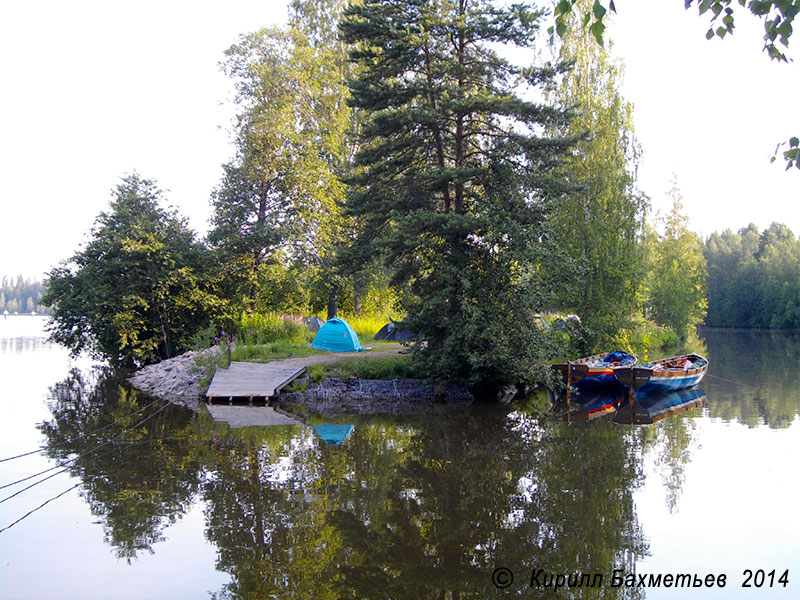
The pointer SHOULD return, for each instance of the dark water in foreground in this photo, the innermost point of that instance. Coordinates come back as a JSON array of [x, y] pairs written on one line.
[[147, 501]]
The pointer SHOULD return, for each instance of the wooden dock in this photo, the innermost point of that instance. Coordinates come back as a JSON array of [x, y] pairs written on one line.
[[251, 380]]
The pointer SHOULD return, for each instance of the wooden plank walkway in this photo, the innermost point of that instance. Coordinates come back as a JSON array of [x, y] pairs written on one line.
[[252, 380]]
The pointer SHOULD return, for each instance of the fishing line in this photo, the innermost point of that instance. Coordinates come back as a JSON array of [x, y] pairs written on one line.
[[95, 449], [83, 435], [42, 505], [737, 383]]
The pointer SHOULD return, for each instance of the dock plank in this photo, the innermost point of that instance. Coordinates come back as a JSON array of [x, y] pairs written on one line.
[[258, 380]]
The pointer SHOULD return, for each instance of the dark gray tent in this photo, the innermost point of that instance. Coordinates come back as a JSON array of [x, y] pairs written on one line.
[[395, 332], [313, 323]]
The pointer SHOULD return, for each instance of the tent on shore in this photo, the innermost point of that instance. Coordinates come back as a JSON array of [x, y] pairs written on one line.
[[336, 335], [394, 331]]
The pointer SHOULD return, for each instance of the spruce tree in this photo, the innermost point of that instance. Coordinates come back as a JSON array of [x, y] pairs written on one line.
[[455, 175]]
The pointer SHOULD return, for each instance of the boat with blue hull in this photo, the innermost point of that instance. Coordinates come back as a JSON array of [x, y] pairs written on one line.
[[663, 375], [649, 408], [594, 372]]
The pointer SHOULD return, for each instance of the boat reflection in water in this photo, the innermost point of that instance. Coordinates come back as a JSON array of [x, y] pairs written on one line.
[[587, 405], [649, 408]]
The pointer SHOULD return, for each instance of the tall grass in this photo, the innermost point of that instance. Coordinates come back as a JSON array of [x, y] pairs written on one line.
[[366, 326], [390, 367], [267, 328]]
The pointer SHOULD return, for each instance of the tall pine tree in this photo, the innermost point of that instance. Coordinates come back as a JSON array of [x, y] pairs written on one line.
[[455, 175]]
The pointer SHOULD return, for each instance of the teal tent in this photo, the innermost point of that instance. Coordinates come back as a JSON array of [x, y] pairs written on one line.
[[336, 335]]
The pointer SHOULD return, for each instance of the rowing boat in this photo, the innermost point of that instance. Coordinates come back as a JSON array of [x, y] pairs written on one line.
[[663, 375], [594, 372]]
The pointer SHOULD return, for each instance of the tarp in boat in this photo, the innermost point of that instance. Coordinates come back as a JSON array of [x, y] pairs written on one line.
[[395, 332], [332, 434], [313, 323], [336, 335]]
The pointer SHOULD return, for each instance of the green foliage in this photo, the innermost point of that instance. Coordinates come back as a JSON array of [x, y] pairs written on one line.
[[273, 351], [366, 326], [778, 16], [454, 177], [754, 278], [676, 280], [599, 226], [645, 339], [276, 210], [142, 286], [392, 367], [316, 373], [266, 328]]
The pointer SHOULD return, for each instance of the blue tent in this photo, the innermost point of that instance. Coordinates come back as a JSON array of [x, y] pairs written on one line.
[[331, 434], [336, 336]]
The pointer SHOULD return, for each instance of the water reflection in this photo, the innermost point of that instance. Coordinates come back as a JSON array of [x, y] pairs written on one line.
[[405, 508], [649, 408], [139, 460], [420, 508], [416, 507], [753, 379]]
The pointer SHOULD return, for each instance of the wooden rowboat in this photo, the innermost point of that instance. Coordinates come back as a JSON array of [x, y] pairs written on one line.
[[594, 372], [663, 375]]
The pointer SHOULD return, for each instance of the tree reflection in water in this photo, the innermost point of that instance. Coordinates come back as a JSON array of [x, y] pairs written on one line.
[[140, 471], [753, 376], [421, 507]]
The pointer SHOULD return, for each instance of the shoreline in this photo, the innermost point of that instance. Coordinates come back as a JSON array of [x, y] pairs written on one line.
[[177, 380]]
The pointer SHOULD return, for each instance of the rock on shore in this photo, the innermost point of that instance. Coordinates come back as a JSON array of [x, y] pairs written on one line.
[[174, 379]]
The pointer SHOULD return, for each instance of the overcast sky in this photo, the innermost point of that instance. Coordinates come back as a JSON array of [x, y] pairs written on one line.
[[94, 90]]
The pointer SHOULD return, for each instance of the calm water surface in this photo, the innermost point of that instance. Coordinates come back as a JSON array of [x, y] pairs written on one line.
[[151, 501]]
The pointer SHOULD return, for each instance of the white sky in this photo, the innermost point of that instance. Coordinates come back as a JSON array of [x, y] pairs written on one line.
[[92, 90]]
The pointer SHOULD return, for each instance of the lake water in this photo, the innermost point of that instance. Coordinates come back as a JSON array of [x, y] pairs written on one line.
[[135, 499]]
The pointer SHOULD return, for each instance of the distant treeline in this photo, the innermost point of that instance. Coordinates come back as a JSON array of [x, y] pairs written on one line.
[[753, 278], [21, 296]]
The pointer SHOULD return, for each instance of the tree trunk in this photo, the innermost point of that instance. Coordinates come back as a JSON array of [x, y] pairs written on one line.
[[357, 298], [333, 303]]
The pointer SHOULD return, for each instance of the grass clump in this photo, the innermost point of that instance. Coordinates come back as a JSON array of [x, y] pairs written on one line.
[[390, 367], [273, 351], [266, 328], [209, 361]]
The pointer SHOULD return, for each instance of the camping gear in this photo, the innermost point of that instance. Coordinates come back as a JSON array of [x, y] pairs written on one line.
[[394, 332], [336, 335], [596, 371], [313, 323]]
